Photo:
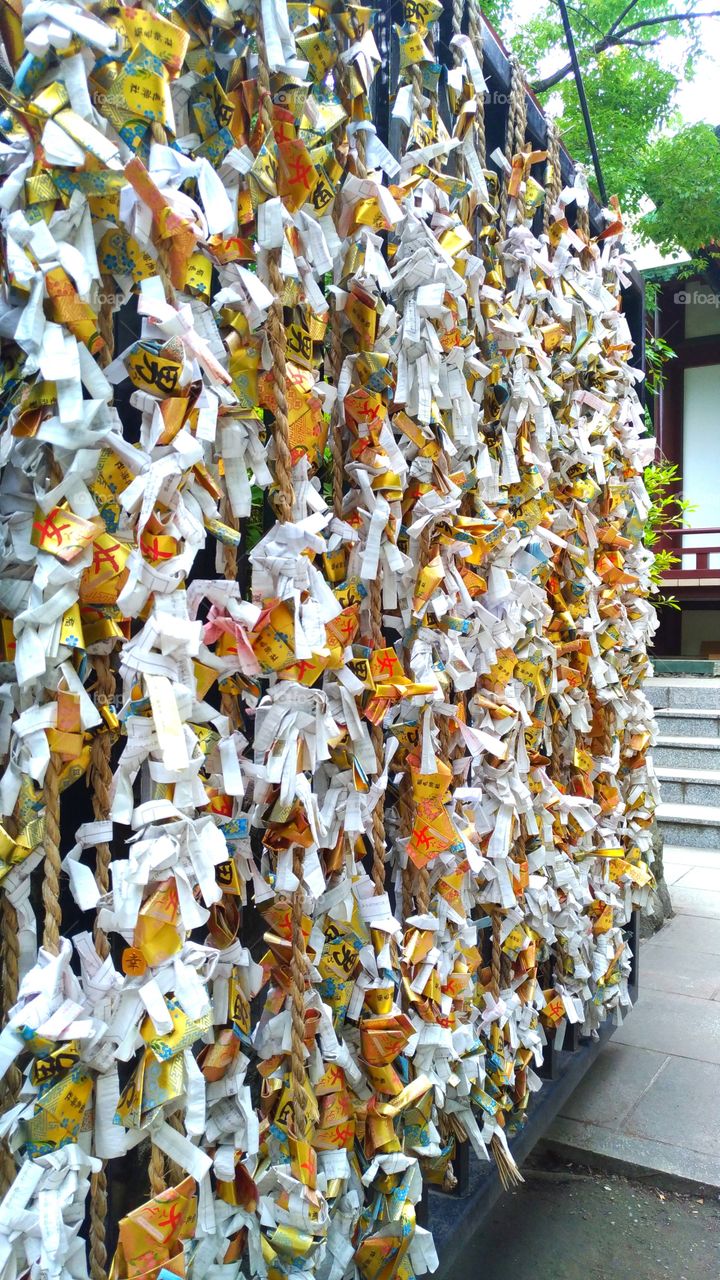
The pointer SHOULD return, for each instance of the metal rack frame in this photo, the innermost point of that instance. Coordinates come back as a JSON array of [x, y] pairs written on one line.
[[453, 1217]]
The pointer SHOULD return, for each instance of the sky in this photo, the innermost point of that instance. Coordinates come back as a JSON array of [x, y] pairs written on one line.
[[699, 98]]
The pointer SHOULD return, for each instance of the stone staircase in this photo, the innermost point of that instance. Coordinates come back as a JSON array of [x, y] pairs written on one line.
[[687, 759]]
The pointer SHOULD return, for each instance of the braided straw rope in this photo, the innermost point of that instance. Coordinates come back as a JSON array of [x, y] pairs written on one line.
[[98, 1213], [175, 1172], [458, 11], [417, 93], [11, 981], [406, 811], [408, 806], [51, 868], [230, 552], [496, 953], [228, 701], [556, 768], [336, 444], [378, 817], [606, 740], [156, 1170], [297, 1004], [508, 1171], [276, 322], [443, 724], [415, 74], [284, 503], [360, 152], [159, 135], [101, 783], [161, 1167], [336, 342], [520, 106], [422, 895], [475, 29], [582, 225], [445, 735], [553, 184], [514, 135], [505, 961], [106, 322]]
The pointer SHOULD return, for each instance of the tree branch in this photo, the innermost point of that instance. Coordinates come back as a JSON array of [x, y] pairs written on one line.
[[548, 82], [620, 36], [621, 16], [661, 21], [643, 44], [583, 16]]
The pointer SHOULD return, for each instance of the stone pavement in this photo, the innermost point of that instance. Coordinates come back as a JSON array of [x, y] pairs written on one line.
[[650, 1104]]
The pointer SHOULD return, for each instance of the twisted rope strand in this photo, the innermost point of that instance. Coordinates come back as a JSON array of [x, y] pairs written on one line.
[[514, 136], [11, 981], [496, 953], [284, 503], [336, 444], [553, 184], [376, 733], [297, 1003], [276, 322], [51, 867], [458, 11], [98, 1213], [475, 29], [101, 782], [156, 1170]]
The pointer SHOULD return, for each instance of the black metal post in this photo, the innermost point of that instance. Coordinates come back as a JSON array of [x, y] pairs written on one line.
[[583, 100]]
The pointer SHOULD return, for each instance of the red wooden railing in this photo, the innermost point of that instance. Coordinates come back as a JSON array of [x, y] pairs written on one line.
[[694, 561]]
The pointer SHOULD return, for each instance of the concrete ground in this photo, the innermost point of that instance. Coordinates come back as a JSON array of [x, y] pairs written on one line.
[[651, 1101], [569, 1224]]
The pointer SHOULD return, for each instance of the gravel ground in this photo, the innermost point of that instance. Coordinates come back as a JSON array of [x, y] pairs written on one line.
[[565, 1223]]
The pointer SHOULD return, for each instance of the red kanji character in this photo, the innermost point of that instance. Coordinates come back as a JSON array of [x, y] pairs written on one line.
[[299, 172], [153, 551], [104, 555], [386, 664], [283, 132], [284, 923], [174, 1217], [422, 839], [49, 529], [171, 891]]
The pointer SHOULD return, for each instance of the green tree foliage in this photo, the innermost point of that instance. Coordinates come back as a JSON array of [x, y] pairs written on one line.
[[667, 511], [683, 182], [632, 55]]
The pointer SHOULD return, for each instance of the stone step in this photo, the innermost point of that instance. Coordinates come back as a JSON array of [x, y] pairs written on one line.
[[677, 752], [689, 786], [687, 692], [690, 824], [688, 722], [685, 667]]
